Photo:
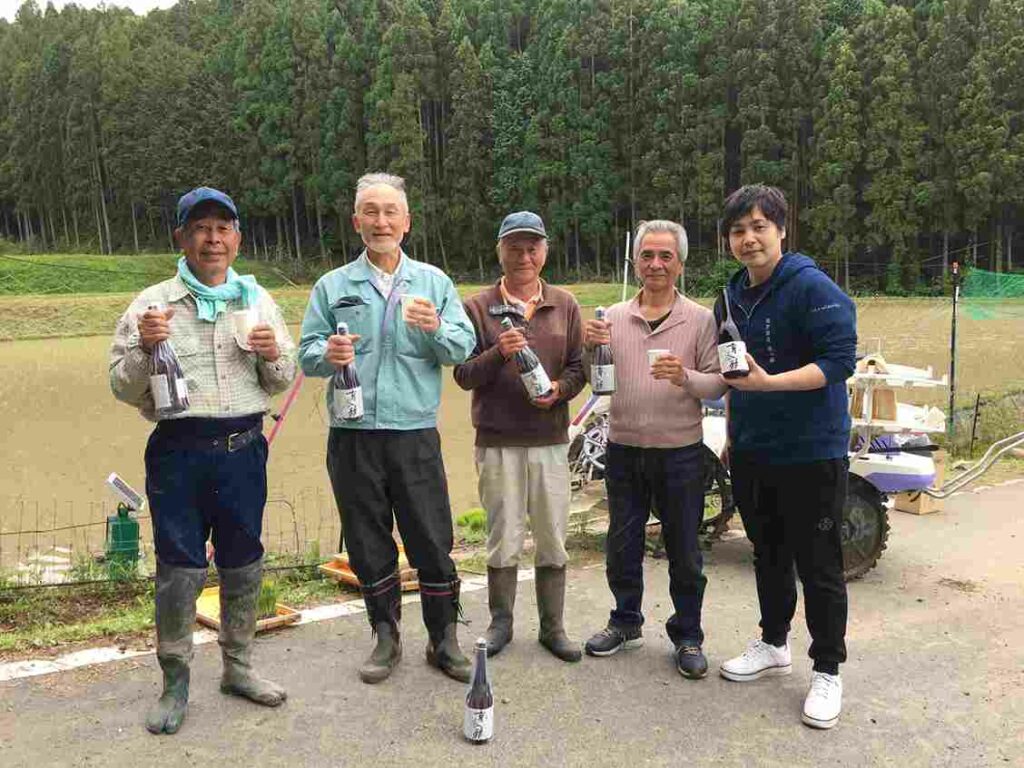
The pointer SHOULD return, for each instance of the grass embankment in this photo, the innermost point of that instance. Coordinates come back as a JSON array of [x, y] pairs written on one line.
[[54, 316]]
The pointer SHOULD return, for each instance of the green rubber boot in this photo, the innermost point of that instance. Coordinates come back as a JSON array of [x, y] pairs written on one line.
[[239, 590], [176, 592]]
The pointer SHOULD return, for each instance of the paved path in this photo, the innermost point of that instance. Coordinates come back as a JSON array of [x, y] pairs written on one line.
[[935, 678]]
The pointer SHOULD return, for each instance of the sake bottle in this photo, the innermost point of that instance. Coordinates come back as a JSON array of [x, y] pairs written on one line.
[[532, 373], [346, 391], [602, 366], [166, 379], [732, 350], [478, 723]]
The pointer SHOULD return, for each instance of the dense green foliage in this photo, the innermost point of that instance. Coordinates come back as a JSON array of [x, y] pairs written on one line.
[[896, 128]]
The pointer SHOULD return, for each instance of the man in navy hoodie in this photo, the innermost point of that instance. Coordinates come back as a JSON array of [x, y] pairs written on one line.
[[789, 432]]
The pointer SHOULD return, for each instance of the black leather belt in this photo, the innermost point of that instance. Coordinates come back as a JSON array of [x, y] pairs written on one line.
[[227, 443]]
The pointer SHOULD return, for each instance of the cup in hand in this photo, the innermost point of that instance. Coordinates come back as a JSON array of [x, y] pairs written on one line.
[[654, 354], [244, 321], [408, 300]]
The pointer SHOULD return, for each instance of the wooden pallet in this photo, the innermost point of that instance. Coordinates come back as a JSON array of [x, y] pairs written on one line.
[[208, 612]]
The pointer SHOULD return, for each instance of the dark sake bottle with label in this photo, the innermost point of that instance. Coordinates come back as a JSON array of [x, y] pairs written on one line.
[[166, 379], [732, 350], [478, 723], [532, 373], [602, 365], [346, 391]]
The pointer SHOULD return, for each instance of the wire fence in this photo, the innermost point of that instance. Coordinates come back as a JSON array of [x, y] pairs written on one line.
[[39, 547]]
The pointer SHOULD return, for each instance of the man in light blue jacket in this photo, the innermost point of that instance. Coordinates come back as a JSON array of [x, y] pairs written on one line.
[[404, 320]]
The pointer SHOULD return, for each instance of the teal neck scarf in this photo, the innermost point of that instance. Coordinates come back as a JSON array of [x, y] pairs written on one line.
[[212, 300]]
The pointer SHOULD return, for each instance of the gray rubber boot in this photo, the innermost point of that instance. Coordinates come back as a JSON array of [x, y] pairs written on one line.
[[239, 590], [384, 610], [501, 600], [440, 613], [176, 592], [551, 606]]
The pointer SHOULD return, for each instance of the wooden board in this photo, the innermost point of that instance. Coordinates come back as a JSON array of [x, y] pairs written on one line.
[[208, 612], [339, 570]]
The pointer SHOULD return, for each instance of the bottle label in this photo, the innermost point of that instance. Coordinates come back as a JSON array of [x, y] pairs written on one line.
[[181, 387], [602, 379], [732, 356], [536, 382], [478, 724], [161, 391], [348, 403]]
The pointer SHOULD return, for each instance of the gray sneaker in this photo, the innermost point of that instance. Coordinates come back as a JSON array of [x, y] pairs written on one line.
[[612, 639]]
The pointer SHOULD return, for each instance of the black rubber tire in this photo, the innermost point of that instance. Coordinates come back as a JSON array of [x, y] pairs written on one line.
[[717, 496], [865, 531]]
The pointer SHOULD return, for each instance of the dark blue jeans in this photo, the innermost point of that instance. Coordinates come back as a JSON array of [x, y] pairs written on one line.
[[670, 482], [196, 490]]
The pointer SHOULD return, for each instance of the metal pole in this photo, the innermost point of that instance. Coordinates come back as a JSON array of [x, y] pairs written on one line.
[[950, 420], [974, 424]]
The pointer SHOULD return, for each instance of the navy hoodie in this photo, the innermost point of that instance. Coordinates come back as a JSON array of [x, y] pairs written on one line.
[[798, 316]]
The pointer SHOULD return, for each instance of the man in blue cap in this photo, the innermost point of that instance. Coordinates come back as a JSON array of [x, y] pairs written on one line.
[[522, 438], [206, 459]]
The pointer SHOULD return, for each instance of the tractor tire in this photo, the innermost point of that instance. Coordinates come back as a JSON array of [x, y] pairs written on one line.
[[865, 529], [719, 506]]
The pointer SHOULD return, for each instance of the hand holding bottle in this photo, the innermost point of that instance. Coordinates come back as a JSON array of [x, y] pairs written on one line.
[[341, 350], [510, 342], [596, 332], [154, 327]]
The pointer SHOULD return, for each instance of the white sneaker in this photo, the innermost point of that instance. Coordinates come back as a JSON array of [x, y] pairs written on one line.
[[824, 700], [761, 659]]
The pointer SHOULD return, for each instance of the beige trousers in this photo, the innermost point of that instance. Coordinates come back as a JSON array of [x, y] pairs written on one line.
[[520, 482]]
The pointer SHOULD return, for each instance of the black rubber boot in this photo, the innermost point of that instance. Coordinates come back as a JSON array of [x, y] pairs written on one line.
[[176, 593], [440, 614], [501, 600], [551, 607], [239, 591], [384, 610]]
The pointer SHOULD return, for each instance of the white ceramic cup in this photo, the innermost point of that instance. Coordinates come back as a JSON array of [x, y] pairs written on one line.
[[244, 321], [654, 354]]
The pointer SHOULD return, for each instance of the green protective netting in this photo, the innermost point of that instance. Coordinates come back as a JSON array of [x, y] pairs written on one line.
[[992, 295]]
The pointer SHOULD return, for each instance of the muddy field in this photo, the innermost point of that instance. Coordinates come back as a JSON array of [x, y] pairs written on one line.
[[65, 433]]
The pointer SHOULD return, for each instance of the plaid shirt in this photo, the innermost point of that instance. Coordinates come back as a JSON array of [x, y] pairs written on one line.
[[223, 379]]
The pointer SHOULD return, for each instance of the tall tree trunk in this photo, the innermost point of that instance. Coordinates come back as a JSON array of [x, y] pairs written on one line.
[[53, 229], [149, 223], [295, 222], [170, 231], [99, 224], [74, 222], [576, 244], [343, 226], [440, 245], [277, 240], [598, 252], [135, 227], [103, 206], [320, 229], [945, 255], [64, 220]]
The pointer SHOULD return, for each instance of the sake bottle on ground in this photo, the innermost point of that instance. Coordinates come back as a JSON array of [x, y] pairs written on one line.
[[478, 723]]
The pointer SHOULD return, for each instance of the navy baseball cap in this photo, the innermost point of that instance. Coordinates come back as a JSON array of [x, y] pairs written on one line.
[[190, 200], [522, 221]]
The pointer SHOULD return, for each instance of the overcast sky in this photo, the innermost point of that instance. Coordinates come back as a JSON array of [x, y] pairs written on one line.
[[9, 8]]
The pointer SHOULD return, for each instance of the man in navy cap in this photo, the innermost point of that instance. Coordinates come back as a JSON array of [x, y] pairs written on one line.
[[206, 464], [522, 438]]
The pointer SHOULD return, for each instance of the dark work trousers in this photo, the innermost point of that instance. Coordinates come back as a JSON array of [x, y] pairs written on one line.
[[669, 480], [793, 514], [382, 476], [199, 483]]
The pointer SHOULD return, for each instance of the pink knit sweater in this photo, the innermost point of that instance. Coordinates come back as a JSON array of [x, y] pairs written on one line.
[[648, 413]]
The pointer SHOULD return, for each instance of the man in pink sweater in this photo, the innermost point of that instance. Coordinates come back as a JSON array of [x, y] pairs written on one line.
[[655, 453]]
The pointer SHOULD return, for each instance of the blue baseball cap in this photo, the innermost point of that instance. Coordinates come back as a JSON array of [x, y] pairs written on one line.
[[190, 200], [522, 221]]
